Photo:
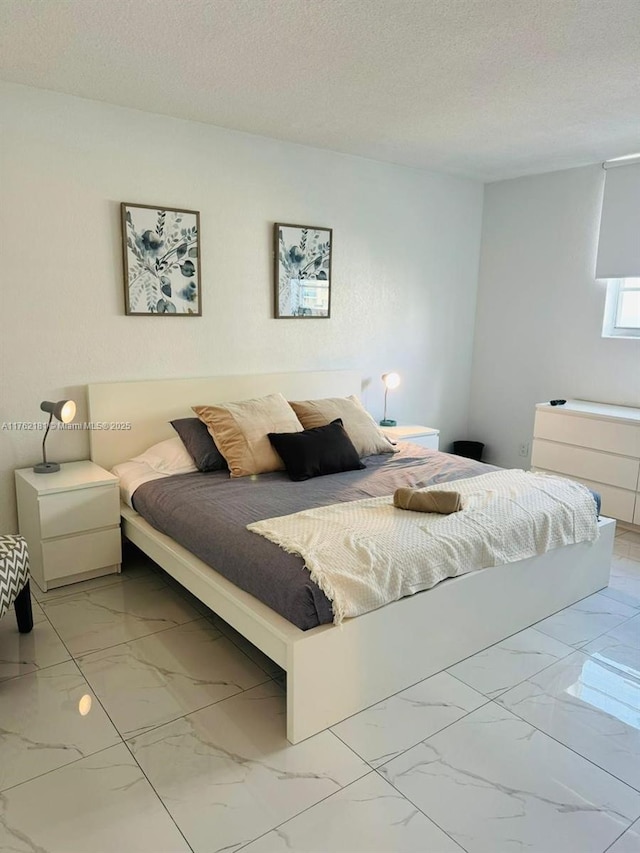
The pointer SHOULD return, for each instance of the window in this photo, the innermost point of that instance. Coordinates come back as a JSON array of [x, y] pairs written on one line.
[[622, 309]]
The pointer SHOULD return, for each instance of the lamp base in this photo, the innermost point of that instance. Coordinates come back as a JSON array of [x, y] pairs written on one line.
[[388, 422], [46, 467]]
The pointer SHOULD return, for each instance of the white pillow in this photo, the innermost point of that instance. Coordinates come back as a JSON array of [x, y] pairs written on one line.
[[132, 475], [168, 457]]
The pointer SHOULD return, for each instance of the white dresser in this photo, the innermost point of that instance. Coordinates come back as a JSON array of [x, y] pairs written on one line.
[[596, 444], [71, 521]]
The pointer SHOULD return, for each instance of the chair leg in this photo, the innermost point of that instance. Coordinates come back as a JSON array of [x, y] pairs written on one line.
[[24, 613]]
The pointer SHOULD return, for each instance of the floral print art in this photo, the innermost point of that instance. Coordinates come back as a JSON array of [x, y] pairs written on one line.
[[161, 260], [303, 271]]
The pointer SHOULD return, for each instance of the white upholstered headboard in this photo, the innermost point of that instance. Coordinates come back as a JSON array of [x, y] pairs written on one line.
[[148, 406]]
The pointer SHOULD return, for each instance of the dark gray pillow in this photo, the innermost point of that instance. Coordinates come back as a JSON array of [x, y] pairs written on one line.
[[195, 437]]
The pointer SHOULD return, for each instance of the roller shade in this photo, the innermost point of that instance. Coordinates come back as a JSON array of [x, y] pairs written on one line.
[[619, 243]]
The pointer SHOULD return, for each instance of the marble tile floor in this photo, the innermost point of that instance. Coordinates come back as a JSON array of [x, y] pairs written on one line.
[[134, 719]]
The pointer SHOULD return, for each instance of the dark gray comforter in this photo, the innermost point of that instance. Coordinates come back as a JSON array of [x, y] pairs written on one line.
[[208, 514]]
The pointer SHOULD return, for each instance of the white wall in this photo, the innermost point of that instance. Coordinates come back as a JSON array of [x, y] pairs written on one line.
[[540, 310], [406, 246]]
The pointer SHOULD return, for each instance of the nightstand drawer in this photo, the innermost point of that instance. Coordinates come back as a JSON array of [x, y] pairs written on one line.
[[423, 436], [77, 554], [431, 442], [78, 510]]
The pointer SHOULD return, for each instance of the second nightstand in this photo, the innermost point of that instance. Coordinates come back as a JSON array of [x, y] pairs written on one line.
[[421, 435], [71, 521]]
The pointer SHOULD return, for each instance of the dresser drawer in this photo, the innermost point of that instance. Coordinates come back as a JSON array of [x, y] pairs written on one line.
[[77, 554], [586, 464], [623, 439], [615, 503], [78, 510]]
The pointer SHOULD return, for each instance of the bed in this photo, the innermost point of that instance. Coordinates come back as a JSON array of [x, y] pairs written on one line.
[[336, 671]]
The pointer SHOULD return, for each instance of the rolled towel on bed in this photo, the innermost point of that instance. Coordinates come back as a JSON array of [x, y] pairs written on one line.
[[435, 501]]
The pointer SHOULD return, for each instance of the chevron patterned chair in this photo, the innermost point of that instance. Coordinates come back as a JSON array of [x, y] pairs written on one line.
[[14, 581]]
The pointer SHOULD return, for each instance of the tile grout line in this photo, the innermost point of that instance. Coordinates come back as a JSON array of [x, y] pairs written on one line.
[[513, 686], [266, 832], [159, 798], [613, 598], [571, 749], [115, 579], [434, 822], [604, 633], [122, 742], [615, 840], [66, 590], [74, 656], [125, 737], [239, 647], [540, 731], [128, 737], [573, 650], [370, 772], [121, 642], [308, 808], [42, 668], [624, 621], [62, 766], [413, 746], [84, 755]]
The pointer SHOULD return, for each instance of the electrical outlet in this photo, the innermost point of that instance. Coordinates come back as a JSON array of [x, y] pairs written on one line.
[[523, 449]]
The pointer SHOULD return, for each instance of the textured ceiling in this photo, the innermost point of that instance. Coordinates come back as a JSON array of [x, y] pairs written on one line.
[[485, 88]]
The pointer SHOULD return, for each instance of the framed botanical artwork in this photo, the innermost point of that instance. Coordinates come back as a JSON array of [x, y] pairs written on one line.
[[161, 250], [302, 255]]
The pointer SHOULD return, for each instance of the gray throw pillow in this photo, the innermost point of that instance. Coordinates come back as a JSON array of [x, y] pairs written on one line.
[[196, 438]]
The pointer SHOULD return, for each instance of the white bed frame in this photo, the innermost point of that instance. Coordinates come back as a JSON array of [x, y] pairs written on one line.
[[334, 672]]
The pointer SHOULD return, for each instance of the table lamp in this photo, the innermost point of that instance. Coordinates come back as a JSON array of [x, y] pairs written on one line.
[[391, 381], [65, 412]]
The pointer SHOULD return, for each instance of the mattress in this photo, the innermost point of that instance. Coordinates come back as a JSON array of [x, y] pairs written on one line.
[[208, 514]]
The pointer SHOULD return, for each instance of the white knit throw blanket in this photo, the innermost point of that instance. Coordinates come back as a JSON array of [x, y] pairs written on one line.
[[364, 554]]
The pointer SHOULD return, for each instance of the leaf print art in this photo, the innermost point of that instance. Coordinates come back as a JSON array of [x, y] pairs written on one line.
[[161, 260], [302, 270]]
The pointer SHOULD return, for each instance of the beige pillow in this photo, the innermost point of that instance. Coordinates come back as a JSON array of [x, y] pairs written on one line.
[[240, 432], [358, 423]]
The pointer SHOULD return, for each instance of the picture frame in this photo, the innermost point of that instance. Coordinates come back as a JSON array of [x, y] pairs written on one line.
[[161, 259], [302, 271]]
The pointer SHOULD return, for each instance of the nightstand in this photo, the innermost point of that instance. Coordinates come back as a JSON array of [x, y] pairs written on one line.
[[71, 521], [421, 435]]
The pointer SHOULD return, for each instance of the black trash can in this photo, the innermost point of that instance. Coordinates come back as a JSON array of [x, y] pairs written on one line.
[[470, 449]]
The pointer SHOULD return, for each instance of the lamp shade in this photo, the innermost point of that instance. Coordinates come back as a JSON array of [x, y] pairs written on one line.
[[63, 410], [391, 380]]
